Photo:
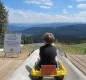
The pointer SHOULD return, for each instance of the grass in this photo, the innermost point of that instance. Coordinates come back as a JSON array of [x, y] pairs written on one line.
[[68, 49], [1, 46], [72, 49], [25, 50], [29, 47]]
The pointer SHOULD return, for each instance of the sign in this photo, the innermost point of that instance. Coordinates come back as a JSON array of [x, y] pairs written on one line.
[[12, 42]]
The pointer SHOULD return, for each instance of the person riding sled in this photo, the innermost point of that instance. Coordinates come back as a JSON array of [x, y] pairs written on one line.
[[48, 52]]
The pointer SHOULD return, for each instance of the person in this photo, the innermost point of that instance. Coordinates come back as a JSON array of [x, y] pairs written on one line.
[[48, 52]]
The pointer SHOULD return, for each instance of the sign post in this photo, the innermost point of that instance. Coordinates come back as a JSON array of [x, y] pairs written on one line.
[[12, 43]]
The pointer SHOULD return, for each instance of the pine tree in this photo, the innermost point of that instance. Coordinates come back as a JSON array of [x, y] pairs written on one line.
[[3, 19]]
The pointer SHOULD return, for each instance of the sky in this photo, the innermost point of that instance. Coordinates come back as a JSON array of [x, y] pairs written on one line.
[[45, 11]]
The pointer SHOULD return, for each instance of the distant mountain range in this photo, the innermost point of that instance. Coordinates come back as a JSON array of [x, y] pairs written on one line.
[[56, 28], [15, 27], [60, 30], [23, 26]]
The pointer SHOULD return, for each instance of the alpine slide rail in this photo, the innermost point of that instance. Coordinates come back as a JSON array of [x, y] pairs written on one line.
[[75, 66]]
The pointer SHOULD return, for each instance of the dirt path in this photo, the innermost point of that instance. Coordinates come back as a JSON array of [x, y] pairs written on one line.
[[8, 67], [9, 64]]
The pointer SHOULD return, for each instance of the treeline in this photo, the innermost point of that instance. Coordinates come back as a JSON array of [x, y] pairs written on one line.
[[67, 39], [60, 38], [31, 39], [27, 40]]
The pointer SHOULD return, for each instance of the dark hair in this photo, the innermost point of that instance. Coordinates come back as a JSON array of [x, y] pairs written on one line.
[[48, 38]]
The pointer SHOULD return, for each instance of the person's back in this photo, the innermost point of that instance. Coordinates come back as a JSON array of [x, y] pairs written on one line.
[[48, 54], [48, 51]]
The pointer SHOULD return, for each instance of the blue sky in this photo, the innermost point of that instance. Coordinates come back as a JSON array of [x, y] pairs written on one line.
[[45, 11]]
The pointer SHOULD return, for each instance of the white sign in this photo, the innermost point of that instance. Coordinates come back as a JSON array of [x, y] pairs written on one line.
[[12, 42]]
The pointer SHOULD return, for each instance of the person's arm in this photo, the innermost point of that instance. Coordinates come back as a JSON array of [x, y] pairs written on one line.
[[56, 56], [40, 52]]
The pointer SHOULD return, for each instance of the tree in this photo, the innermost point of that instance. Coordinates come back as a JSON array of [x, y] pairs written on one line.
[[3, 19], [27, 39]]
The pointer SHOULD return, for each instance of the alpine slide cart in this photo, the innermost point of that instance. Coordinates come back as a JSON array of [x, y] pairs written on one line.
[[49, 71]]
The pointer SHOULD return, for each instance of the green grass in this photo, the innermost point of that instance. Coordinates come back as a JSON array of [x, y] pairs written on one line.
[[29, 47], [72, 49], [69, 49], [1, 46]]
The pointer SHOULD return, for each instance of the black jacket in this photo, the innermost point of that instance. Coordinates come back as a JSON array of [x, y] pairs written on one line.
[[47, 54]]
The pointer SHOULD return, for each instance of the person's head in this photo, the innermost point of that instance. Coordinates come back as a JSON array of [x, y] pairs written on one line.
[[48, 38]]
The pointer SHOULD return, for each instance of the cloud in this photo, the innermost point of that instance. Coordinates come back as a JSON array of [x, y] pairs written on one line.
[[69, 6], [81, 6], [82, 14], [80, 17], [45, 7], [28, 16], [42, 3], [65, 11], [33, 1], [80, 0]]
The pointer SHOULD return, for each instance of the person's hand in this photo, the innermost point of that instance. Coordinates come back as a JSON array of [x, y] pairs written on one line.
[[56, 58]]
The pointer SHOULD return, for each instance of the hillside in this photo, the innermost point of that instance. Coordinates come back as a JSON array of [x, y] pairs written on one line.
[[23, 26], [16, 27], [64, 33], [78, 30]]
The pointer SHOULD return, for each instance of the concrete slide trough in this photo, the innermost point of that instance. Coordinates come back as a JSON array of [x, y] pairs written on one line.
[[23, 72]]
